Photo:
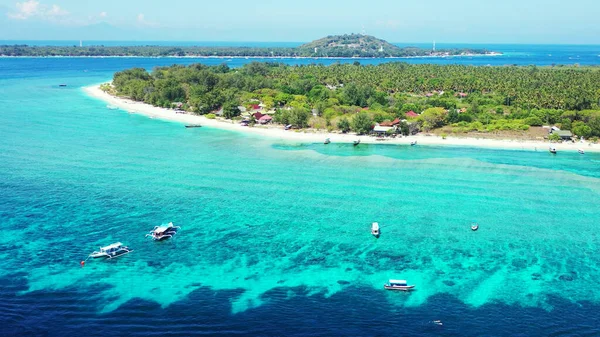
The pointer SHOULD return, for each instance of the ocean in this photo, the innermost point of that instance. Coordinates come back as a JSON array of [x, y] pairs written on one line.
[[275, 236]]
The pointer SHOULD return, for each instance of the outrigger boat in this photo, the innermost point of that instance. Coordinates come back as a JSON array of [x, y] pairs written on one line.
[[163, 232], [111, 251], [375, 229], [398, 285], [356, 142], [327, 141], [193, 126]]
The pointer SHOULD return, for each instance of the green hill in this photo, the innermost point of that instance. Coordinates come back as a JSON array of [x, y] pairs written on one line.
[[349, 45]]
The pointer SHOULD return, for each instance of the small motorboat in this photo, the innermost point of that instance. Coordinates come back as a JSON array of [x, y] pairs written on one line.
[[375, 229], [327, 141], [474, 226], [193, 126], [356, 142], [398, 285], [62, 85], [111, 251], [163, 232], [580, 151], [288, 127], [552, 150], [413, 143]]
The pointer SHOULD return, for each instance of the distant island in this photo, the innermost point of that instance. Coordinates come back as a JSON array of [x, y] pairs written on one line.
[[338, 46]]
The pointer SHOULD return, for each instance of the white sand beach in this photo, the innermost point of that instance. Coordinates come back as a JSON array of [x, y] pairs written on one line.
[[277, 132]]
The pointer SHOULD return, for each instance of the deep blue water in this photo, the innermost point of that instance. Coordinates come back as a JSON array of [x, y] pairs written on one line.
[[274, 237]]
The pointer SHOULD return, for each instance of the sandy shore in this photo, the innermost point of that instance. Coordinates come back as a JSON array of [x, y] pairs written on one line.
[[277, 132]]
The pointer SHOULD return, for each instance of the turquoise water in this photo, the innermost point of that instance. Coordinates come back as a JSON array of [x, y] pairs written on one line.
[[274, 230]]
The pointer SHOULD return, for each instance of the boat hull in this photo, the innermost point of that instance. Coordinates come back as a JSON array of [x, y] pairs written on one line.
[[400, 288]]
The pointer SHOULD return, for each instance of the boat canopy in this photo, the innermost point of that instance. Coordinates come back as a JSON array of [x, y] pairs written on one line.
[[113, 246], [401, 282]]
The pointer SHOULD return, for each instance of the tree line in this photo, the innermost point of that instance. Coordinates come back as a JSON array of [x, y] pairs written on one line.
[[173, 51], [463, 98]]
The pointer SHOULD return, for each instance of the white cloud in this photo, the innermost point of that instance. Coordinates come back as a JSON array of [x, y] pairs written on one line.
[[140, 18], [25, 10], [56, 11], [33, 8], [103, 14]]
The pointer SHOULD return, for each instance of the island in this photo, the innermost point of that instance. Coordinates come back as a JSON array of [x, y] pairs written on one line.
[[338, 46], [390, 101]]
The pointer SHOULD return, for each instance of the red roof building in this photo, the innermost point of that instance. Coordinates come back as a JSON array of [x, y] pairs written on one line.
[[258, 116], [412, 114], [265, 119], [256, 107]]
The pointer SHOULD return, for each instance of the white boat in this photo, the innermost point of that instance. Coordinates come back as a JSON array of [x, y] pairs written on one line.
[[398, 285], [552, 149], [375, 229], [111, 251], [356, 142], [581, 151], [327, 141], [413, 143], [474, 226], [163, 232]]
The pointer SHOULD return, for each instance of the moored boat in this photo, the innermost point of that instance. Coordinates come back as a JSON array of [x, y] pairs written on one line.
[[413, 143], [552, 150], [193, 126], [163, 232], [398, 285], [327, 141], [111, 251], [356, 142], [375, 229], [474, 226], [580, 151]]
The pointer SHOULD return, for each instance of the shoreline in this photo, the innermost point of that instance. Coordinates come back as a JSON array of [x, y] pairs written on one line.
[[277, 132], [263, 57]]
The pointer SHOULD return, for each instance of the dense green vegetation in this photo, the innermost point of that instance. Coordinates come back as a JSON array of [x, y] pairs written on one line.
[[353, 45], [453, 97]]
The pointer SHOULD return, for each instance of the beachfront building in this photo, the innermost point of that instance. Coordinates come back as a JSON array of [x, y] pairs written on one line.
[[563, 134], [395, 123], [379, 130], [265, 119]]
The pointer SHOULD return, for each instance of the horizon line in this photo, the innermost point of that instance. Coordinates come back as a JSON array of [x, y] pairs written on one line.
[[298, 42]]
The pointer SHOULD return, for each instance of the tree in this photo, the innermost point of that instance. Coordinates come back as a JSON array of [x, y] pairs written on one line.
[[581, 129], [343, 124], [434, 117], [453, 117], [533, 121], [362, 123], [231, 110], [404, 129], [299, 117], [554, 137]]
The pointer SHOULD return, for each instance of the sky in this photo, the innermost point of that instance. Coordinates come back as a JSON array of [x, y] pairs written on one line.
[[454, 21]]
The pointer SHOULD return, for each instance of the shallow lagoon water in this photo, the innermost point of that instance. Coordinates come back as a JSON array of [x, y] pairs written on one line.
[[275, 236]]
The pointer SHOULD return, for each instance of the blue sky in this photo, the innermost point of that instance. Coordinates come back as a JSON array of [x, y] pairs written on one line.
[[463, 21]]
